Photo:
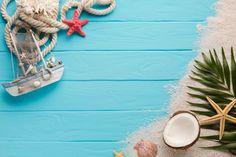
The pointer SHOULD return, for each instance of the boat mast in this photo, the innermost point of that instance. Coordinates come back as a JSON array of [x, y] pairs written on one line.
[[13, 66], [21, 64], [39, 51]]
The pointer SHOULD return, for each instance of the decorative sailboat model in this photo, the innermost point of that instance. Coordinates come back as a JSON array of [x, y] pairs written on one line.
[[39, 18], [33, 74]]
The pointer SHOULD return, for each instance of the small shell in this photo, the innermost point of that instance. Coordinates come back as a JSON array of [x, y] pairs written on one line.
[[41, 7], [146, 149]]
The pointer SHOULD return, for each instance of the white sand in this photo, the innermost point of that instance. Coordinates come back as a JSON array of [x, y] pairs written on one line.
[[220, 31]]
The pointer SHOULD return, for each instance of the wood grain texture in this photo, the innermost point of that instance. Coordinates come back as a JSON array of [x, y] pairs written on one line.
[[92, 95], [59, 149], [115, 65], [116, 80], [106, 36], [72, 126], [152, 10]]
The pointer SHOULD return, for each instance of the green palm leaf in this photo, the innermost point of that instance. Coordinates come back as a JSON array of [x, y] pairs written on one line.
[[228, 138], [233, 72], [218, 80]]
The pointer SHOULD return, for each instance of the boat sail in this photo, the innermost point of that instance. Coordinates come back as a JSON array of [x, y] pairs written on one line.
[[34, 71]]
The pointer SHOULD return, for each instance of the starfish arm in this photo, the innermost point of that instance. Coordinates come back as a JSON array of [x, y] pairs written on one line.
[[118, 154], [76, 15], [68, 22], [222, 128], [75, 24], [230, 118], [79, 30], [84, 22], [229, 107], [70, 31], [214, 105], [211, 119]]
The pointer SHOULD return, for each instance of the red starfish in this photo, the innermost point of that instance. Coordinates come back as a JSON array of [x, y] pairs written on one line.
[[75, 24]]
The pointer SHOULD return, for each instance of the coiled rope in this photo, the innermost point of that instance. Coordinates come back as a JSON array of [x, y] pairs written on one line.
[[48, 26]]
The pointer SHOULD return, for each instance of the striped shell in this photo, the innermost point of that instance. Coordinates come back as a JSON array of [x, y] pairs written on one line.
[[146, 148]]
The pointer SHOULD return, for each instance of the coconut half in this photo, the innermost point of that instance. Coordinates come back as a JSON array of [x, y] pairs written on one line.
[[182, 130]]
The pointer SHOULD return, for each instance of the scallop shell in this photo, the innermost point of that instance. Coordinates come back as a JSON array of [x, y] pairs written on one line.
[[146, 148]]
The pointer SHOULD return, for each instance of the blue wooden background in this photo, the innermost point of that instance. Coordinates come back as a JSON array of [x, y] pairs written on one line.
[[115, 80]]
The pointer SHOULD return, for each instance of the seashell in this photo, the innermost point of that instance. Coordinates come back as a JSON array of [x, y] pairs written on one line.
[[146, 149], [41, 7]]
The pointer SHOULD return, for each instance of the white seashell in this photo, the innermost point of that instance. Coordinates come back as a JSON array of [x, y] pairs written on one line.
[[44, 7], [146, 149]]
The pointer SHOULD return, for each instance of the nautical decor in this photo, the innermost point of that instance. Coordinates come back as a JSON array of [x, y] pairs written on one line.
[[32, 75], [75, 24], [31, 33]]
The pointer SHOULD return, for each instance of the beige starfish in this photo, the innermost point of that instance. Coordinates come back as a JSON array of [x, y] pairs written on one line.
[[118, 154], [222, 115]]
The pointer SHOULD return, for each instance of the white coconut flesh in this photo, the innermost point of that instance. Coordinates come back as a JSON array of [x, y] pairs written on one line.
[[182, 130]]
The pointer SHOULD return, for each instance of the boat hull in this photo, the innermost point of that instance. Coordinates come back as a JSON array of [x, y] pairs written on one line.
[[32, 83]]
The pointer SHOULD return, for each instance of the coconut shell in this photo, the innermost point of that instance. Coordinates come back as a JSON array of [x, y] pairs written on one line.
[[146, 148], [199, 131]]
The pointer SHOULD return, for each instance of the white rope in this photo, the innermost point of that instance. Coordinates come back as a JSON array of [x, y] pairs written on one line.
[[47, 25]]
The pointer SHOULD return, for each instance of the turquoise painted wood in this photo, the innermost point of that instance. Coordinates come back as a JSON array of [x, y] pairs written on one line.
[[128, 65], [144, 36], [72, 126], [92, 95], [159, 10], [62, 149], [115, 81]]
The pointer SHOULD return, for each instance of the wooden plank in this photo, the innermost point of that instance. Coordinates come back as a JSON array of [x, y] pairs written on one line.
[[58, 149], [89, 117], [69, 126], [92, 95], [126, 36], [159, 10], [153, 10], [115, 65]]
